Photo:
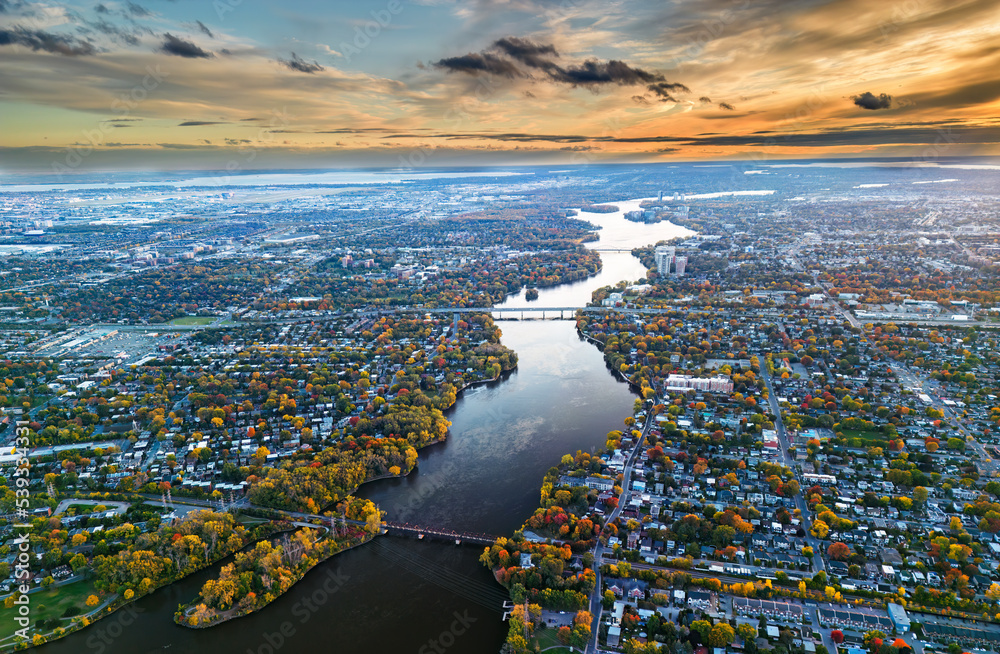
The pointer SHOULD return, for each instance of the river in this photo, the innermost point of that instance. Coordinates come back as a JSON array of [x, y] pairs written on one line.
[[399, 594]]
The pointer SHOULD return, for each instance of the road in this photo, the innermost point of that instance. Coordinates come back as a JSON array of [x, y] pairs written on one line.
[[595, 598], [786, 459]]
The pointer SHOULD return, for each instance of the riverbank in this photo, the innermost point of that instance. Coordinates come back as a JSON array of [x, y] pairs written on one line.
[[116, 600], [194, 616], [618, 373], [185, 615]]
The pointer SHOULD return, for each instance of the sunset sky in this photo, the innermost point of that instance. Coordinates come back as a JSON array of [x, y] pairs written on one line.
[[385, 82]]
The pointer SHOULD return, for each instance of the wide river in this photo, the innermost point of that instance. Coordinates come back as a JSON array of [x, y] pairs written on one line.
[[399, 594]]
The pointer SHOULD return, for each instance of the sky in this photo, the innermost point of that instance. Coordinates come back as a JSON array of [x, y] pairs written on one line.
[[249, 84]]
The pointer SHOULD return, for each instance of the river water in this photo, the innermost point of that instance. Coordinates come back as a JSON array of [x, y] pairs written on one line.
[[399, 594]]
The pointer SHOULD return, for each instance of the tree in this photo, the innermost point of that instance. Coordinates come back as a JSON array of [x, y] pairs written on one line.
[[702, 628], [838, 551], [722, 635], [919, 494], [93, 600], [837, 636], [746, 631]]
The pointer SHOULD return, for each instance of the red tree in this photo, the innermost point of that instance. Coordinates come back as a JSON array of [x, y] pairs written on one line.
[[838, 551]]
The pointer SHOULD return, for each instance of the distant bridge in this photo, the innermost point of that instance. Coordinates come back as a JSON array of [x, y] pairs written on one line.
[[501, 313], [446, 534]]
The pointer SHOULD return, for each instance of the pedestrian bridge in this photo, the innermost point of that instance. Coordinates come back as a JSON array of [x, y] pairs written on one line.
[[446, 534]]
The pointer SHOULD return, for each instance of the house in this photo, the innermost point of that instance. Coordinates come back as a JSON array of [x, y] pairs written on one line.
[[699, 599]]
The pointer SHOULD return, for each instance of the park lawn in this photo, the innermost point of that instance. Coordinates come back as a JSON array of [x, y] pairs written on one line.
[[53, 602], [547, 638], [82, 509], [193, 320]]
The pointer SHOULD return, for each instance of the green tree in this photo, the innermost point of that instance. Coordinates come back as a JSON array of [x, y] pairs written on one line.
[[722, 635]]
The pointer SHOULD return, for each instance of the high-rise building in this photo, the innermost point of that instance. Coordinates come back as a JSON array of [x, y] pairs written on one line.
[[664, 259], [659, 198], [680, 264]]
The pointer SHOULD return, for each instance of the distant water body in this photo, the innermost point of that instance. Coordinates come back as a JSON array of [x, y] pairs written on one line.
[[333, 178]]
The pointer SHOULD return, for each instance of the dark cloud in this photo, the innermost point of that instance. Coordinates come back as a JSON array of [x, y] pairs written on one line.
[[137, 10], [705, 99], [868, 100], [204, 29], [593, 72], [726, 106], [979, 92], [39, 40], [640, 99], [480, 62], [527, 51], [516, 57], [181, 48], [915, 134], [115, 33], [663, 90], [301, 65], [102, 9], [198, 123], [356, 130]]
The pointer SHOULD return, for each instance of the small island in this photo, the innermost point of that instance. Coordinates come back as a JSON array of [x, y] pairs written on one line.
[[600, 208], [531, 294]]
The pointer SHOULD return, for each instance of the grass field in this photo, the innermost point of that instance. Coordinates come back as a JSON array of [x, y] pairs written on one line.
[[193, 320], [867, 435], [48, 604]]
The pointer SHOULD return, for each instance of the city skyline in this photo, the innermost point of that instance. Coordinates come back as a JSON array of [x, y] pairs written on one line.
[[304, 84]]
